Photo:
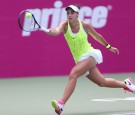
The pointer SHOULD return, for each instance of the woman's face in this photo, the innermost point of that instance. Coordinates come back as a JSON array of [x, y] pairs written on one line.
[[72, 15]]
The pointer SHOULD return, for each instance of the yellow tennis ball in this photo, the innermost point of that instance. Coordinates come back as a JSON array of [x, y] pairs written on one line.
[[28, 15]]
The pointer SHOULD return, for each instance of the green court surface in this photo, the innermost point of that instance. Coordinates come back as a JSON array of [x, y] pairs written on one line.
[[32, 96]]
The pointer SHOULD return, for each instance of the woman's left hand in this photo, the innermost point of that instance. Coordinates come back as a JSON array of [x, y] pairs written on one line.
[[114, 50]]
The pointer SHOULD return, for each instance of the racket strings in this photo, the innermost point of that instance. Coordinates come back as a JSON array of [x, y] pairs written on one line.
[[27, 24]]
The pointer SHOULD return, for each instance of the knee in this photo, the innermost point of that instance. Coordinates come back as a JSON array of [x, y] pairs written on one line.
[[73, 76], [102, 84]]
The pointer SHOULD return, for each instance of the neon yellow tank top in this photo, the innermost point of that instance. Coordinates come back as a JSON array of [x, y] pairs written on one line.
[[77, 43]]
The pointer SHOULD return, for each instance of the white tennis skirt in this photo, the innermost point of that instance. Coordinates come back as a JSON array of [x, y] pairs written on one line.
[[95, 53]]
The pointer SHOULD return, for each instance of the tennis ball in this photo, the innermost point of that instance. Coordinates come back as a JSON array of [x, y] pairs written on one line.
[[28, 15]]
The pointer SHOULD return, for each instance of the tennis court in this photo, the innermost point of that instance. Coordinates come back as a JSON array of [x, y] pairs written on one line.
[[32, 96]]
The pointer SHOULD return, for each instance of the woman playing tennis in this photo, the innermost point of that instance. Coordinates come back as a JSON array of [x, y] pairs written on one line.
[[86, 57]]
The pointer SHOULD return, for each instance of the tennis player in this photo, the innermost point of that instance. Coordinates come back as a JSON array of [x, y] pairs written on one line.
[[86, 57]]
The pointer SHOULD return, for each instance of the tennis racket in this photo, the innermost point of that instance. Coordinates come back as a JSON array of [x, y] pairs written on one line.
[[30, 23]]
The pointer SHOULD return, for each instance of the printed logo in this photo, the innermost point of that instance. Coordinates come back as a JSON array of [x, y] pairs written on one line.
[[129, 83], [51, 17]]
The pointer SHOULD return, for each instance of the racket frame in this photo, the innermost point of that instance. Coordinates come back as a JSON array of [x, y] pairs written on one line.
[[35, 21]]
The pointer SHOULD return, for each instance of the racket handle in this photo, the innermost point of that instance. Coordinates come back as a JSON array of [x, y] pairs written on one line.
[[44, 29]]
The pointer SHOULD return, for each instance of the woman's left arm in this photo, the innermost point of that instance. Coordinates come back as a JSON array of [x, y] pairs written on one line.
[[98, 37]]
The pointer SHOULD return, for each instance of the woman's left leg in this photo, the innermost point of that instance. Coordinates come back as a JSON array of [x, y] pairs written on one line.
[[96, 77]]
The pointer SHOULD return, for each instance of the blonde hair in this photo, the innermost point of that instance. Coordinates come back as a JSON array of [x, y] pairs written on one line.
[[77, 6]]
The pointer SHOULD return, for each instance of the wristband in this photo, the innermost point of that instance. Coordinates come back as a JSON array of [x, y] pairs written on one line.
[[108, 46], [44, 29]]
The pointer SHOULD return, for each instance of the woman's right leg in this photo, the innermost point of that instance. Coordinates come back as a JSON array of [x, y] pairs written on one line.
[[81, 68]]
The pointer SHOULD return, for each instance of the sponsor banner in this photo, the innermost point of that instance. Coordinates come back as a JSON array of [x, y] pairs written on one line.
[[25, 54]]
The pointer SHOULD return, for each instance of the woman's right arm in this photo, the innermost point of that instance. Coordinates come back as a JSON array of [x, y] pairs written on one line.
[[57, 30]]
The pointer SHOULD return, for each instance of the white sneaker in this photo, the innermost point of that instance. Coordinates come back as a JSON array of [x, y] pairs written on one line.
[[130, 86], [58, 106]]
